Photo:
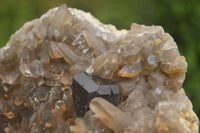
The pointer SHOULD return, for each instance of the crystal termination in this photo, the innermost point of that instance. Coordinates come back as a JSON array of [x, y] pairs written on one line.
[[85, 88]]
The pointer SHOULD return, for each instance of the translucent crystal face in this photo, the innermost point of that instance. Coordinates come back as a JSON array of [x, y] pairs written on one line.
[[40, 60]]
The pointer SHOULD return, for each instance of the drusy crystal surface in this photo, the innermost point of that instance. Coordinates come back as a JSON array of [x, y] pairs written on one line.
[[38, 64]]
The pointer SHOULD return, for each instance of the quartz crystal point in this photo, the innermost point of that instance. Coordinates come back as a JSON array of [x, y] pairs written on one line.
[[110, 115], [38, 64]]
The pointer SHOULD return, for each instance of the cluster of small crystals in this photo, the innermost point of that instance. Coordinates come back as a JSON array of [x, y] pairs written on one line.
[[39, 61]]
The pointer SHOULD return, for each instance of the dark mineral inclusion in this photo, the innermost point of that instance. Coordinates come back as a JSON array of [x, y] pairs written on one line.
[[85, 87]]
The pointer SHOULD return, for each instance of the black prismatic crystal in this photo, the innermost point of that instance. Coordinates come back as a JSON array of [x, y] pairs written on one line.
[[85, 87]]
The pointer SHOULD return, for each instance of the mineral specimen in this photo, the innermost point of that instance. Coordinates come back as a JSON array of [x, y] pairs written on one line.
[[85, 87], [38, 64]]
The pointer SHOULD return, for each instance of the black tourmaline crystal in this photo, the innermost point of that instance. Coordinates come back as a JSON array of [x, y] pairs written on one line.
[[85, 87]]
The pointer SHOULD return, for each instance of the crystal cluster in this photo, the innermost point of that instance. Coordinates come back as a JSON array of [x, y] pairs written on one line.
[[39, 62]]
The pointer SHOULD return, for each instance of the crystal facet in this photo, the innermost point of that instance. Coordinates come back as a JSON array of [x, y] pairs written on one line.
[[85, 87]]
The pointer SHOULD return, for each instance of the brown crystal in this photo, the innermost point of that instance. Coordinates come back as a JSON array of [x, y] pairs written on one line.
[[110, 115], [38, 63]]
